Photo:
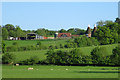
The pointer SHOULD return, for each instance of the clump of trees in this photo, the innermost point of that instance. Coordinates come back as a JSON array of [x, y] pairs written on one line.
[[108, 32], [98, 56], [64, 57], [85, 41]]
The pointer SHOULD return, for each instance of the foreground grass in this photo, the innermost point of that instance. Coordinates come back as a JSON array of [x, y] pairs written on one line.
[[59, 72], [22, 55]]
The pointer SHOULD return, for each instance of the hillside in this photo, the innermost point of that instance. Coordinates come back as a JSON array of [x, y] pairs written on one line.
[[22, 55]]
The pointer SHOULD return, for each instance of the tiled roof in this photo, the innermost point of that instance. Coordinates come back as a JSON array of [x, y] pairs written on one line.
[[67, 34]]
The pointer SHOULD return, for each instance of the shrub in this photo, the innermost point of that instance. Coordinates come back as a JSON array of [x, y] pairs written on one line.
[[85, 41], [15, 43], [8, 58], [61, 46], [31, 61], [73, 57], [115, 57], [99, 55], [12, 48], [4, 49]]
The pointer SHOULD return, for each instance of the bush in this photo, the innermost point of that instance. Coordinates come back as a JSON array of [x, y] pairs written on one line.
[[12, 48], [51, 47], [4, 49], [15, 43], [85, 41], [99, 55], [73, 57], [61, 46], [32, 61], [115, 57], [8, 58]]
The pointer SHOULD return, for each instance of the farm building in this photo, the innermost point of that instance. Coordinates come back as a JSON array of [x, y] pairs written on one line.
[[34, 36], [62, 35], [65, 35], [88, 32]]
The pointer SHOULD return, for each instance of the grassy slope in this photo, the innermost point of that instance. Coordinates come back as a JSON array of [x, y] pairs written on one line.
[[34, 42], [22, 55], [57, 72]]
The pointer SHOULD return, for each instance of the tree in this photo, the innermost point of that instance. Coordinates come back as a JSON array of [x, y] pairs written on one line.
[[99, 55], [4, 34], [19, 32], [41, 32], [115, 57], [105, 35], [100, 23], [12, 33], [9, 27], [62, 31], [117, 20]]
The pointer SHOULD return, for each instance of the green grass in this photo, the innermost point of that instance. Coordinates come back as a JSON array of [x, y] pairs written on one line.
[[34, 42], [58, 72], [22, 55]]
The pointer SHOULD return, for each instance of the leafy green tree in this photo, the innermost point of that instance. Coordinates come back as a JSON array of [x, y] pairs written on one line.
[[117, 20], [98, 55], [41, 32], [12, 33], [9, 27], [100, 23], [115, 57], [106, 36], [62, 31], [4, 34], [19, 32]]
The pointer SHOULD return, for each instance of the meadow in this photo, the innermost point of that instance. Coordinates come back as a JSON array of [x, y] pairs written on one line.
[[41, 71], [47, 42]]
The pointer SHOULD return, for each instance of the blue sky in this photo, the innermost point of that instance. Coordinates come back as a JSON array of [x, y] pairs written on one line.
[[57, 15]]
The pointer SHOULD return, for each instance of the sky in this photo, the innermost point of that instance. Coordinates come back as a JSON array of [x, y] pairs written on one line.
[[57, 15]]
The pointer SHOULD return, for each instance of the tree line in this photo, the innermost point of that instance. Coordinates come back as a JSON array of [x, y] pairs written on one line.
[[10, 30]]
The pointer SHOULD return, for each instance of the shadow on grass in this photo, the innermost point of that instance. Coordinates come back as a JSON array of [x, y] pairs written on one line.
[[97, 71]]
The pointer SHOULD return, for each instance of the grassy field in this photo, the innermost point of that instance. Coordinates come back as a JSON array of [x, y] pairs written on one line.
[[22, 55], [59, 72], [34, 42]]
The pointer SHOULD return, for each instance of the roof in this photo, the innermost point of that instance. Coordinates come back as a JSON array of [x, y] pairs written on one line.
[[76, 35], [88, 30], [67, 34]]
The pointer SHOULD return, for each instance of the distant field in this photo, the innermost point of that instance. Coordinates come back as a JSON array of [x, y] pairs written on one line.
[[22, 55], [40, 71], [34, 42]]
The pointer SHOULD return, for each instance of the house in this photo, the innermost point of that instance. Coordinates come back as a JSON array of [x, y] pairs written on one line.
[[64, 35]]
